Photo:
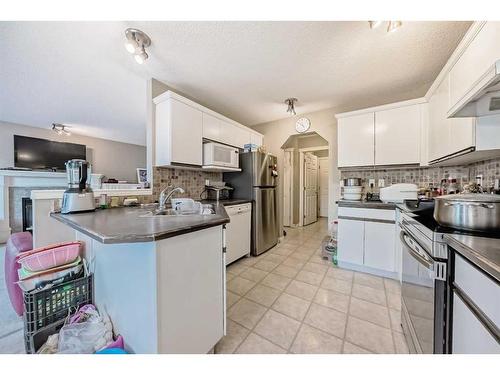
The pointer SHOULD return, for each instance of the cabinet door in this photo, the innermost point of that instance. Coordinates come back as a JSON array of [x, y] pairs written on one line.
[[380, 246], [479, 56], [439, 128], [211, 127], [233, 135], [356, 140], [187, 133], [397, 135], [350, 241], [257, 139], [469, 335]]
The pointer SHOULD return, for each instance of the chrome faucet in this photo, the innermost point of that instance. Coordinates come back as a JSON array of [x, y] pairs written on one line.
[[164, 197]]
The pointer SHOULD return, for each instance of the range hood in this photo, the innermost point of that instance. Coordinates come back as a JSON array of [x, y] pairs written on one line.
[[483, 99]]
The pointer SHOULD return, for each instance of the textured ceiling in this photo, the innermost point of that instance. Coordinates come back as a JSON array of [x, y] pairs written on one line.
[[79, 73]]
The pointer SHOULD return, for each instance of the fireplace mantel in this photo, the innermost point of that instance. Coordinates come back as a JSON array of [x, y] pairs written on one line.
[[24, 179]]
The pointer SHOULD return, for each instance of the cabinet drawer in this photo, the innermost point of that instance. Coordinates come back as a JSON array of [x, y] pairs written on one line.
[[483, 291], [368, 213]]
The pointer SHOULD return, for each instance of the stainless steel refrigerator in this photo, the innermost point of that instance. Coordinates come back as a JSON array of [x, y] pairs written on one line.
[[258, 182]]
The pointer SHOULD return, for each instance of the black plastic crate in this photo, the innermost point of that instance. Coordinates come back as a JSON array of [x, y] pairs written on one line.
[[49, 306], [34, 341]]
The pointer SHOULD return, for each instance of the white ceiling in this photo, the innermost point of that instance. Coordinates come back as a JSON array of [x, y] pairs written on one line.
[[79, 73]]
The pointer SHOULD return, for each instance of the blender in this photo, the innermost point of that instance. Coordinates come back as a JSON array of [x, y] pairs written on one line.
[[79, 197]]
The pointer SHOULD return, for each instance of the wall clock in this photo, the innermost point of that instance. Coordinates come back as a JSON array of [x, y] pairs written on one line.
[[302, 125]]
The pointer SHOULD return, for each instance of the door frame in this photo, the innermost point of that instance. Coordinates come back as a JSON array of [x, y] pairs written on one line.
[[327, 158], [288, 184], [302, 151]]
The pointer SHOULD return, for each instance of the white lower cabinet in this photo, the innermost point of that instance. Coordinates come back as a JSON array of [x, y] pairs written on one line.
[[380, 246], [238, 231], [350, 241], [367, 241]]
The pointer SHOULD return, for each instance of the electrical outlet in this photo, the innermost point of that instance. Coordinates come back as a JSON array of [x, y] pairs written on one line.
[[371, 182], [479, 179], [381, 182]]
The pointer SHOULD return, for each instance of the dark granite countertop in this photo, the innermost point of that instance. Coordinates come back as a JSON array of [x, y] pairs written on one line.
[[367, 204], [131, 224], [483, 252], [228, 202]]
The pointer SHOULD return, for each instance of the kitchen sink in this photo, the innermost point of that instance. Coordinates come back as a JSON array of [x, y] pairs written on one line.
[[206, 209]]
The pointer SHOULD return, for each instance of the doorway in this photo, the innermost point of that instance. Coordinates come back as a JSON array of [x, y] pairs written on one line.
[[305, 179]]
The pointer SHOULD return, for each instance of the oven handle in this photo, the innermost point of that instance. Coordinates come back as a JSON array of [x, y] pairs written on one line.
[[419, 258]]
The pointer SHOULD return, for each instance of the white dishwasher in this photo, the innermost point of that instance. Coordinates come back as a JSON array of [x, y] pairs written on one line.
[[238, 231]]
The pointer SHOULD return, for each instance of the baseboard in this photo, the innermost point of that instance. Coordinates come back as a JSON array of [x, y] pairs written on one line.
[[370, 270]]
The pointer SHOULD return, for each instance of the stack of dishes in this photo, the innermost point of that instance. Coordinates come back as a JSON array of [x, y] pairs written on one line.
[[352, 189], [46, 266]]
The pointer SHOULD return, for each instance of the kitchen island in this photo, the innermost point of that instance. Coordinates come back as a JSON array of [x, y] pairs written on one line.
[[161, 279]]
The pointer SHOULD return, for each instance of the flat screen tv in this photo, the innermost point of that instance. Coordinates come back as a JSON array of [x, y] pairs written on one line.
[[37, 153]]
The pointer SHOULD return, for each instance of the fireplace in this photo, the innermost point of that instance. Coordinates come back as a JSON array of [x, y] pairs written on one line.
[[27, 214]]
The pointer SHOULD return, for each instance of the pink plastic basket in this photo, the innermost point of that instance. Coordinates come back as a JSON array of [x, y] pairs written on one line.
[[50, 256]]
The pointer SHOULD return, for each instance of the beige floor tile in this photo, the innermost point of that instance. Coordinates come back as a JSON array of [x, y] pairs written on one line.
[[235, 335], [293, 262], [253, 274], [316, 268], [231, 298], [262, 294], [276, 281], [254, 344], [292, 306], [395, 320], [370, 312], [286, 271], [339, 273], [354, 349], [246, 313], [309, 277], [369, 335], [236, 268], [400, 343], [277, 328], [283, 250], [248, 261], [368, 280], [310, 340], [333, 300], [240, 285], [230, 276], [369, 294], [337, 285], [266, 265], [275, 258], [392, 286], [317, 259], [302, 290], [394, 301], [300, 256], [328, 320]]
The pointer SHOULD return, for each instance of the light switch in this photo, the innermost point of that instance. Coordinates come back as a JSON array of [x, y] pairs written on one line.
[[381, 182]]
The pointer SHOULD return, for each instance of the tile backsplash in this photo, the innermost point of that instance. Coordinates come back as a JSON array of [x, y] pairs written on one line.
[[192, 181], [423, 176]]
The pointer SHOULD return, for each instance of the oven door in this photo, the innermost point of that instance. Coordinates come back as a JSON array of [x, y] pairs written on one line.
[[418, 296]]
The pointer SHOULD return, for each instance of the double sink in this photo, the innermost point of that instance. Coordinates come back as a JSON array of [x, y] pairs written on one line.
[[154, 211]]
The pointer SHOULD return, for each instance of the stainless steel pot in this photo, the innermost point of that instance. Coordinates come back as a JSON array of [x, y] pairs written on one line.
[[352, 181], [475, 212]]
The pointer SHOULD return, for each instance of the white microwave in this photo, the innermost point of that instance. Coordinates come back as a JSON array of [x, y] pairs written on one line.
[[219, 155]]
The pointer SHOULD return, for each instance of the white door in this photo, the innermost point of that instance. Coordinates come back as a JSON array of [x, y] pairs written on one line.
[[310, 188], [323, 187], [287, 187]]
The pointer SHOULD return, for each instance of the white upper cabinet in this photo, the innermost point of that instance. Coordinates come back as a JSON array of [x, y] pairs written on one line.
[[178, 133], [356, 140], [181, 125], [478, 57], [397, 135], [256, 139]]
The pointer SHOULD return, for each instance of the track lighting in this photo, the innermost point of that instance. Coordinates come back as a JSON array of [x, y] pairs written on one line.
[[61, 129], [290, 102], [136, 43], [391, 26]]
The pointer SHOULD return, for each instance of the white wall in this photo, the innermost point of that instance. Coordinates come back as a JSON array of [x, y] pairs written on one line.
[[113, 159], [322, 122]]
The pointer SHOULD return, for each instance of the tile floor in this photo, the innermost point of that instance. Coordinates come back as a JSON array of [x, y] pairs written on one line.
[[290, 300]]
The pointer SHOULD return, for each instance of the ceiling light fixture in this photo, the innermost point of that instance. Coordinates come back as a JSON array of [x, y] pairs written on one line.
[[375, 24], [393, 26], [290, 102], [61, 129], [137, 42]]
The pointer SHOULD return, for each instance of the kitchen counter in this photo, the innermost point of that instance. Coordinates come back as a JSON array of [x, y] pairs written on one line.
[[367, 204], [129, 224], [481, 251], [227, 202]]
